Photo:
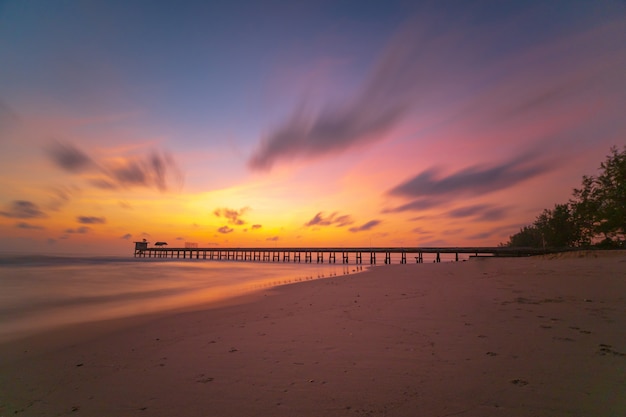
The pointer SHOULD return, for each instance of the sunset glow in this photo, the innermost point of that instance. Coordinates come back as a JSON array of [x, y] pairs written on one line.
[[318, 124]]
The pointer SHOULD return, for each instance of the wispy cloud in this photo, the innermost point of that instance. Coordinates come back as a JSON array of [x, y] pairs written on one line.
[[22, 209], [475, 180], [79, 230], [69, 157], [126, 236], [365, 227], [333, 219], [256, 226], [61, 196], [484, 212], [416, 205], [28, 226], [153, 170], [91, 220], [368, 116]]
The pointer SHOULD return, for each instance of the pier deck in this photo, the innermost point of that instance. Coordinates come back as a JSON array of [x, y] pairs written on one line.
[[330, 255]]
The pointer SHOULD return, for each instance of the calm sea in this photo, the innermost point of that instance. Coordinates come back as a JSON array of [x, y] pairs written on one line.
[[41, 292]]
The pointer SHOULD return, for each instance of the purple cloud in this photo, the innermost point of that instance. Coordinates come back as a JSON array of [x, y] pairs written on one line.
[[416, 205], [485, 212], [225, 229], [476, 180], [79, 230], [91, 220], [398, 80], [21, 209], [69, 157], [364, 227], [332, 219], [154, 170], [28, 226]]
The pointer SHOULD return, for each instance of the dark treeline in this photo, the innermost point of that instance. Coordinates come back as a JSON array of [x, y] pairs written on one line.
[[595, 216]]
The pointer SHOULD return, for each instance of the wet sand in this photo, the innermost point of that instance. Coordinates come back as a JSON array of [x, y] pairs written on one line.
[[488, 337]]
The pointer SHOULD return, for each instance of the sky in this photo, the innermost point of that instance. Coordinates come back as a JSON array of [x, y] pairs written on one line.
[[299, 124]]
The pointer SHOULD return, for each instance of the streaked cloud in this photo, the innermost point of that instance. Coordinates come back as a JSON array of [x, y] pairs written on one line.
[[61, 196], [28, 226], [22, 209], [152, 170], [333, 219], [127, 236], [416, 205], [79, 230], [475, 180], [365, 227], [371, 113], [486, 212], [69, 157], [91, 220]]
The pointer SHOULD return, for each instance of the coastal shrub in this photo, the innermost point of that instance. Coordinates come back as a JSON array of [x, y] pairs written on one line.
[[595, 216]]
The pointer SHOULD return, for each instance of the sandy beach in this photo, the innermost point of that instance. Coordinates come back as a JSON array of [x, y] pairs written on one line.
[[542, 336]]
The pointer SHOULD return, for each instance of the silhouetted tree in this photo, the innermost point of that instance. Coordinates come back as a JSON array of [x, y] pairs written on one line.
[[601, 202], [528, 237], [597, 213]]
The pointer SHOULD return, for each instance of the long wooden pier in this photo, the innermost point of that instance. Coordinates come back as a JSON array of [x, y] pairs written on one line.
[[330, 255]]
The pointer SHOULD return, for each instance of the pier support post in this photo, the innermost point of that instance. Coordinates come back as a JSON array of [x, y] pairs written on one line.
[[296, 257], [345, 258], [403, 260], [320, 257], [307, 257], [286, 256], [331, 257], [372, 258], [438, 257], [359, 259], [387, 257]]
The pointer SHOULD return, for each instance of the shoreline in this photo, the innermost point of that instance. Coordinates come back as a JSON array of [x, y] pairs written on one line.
[[514, 336]]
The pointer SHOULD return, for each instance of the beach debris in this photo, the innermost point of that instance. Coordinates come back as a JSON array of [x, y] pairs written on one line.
[[491, 354], [608, 350], [75, 408], [519, 382], [232, 349], [79, 364]]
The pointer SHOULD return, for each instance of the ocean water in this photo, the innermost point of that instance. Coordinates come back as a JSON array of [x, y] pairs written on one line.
[[39, 292]]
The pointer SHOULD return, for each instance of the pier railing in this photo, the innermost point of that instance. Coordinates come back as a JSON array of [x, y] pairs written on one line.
[[330, 255]]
